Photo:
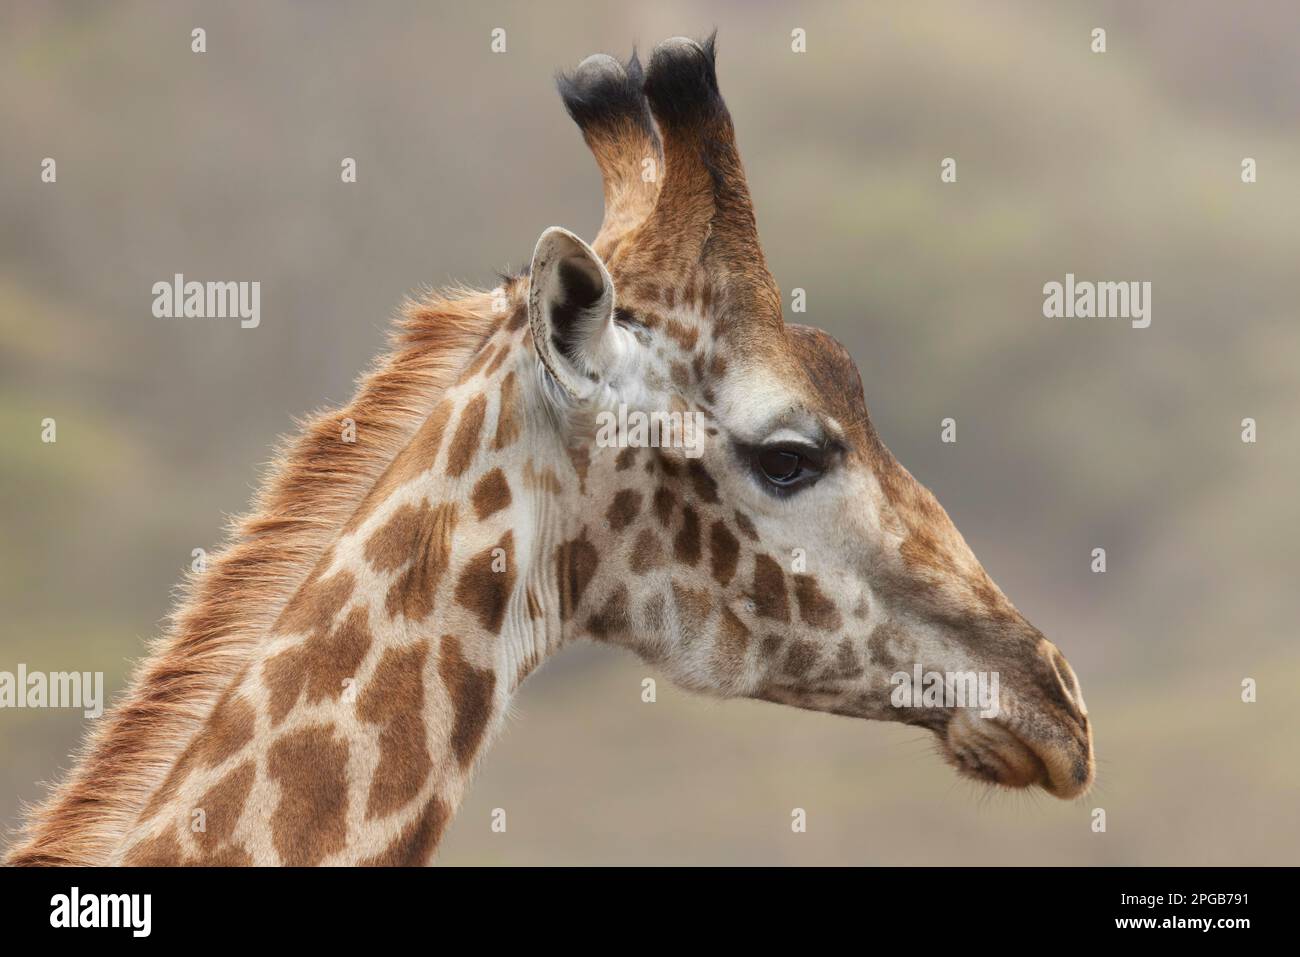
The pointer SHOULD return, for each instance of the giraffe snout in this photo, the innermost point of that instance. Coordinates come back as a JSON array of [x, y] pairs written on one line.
[[1053, 724], [1041, 736]]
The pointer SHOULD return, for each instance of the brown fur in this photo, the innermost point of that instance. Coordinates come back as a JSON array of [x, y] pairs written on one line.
[[647, 552], [612, 618], [624, 509], [414, 591], [394, 699], [770, 599], [222, 805], [508, 424], [319, 665], [483, 589], [575, 564], [471, 691], [814, 607], [161, 851], [686, 546], [310, 822], [413, 847], [314, 485], [465, 442], [491, 494], [724, 552], [733, 642]]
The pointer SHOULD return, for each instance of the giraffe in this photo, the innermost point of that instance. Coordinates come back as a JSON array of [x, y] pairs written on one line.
[[324, 694]]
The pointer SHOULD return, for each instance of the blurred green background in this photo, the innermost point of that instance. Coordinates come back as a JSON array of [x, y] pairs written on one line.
[[1071, 435]]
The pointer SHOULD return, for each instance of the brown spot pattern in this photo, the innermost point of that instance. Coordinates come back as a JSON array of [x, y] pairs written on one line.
[[733, 642], [227, 730], [507, 414], [847, 664], [318, 665], [418, 840], [394, 700], [491, 494], [664, 501], [499, 358], [470, 690], [575, 564], [414, 591], [771, 646], [310, 822], [800, 659], [518, 318], [705, 486], [770, 599], [223, 735], [647, 552], [464, 444], [392, 546], [814, 607], [624, 509], [228, 855], [480, 358], [580, 459], [612, 618], [423, 450], [315, 604], [414, 460], [484, 590], [724, 552], [162, 850], [685, 336], [222, 806], [686, 546]]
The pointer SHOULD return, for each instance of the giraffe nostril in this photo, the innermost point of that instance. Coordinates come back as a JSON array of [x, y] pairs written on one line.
[[1069, 685], [1063, 671]]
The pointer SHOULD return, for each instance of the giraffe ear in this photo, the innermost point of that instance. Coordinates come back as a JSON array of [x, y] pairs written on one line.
[[570, 311]]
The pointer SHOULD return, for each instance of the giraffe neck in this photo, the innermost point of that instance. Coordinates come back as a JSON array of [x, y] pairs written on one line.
[[350, 737]]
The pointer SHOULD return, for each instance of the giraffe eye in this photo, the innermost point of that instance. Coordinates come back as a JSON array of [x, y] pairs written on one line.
[[786, 467], [779, 465]]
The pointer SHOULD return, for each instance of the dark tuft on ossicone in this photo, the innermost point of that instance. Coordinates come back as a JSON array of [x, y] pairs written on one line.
[[602, 93], [682, 82]]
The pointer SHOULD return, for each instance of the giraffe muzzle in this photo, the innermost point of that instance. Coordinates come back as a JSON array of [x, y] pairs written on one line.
[[1042, 737]]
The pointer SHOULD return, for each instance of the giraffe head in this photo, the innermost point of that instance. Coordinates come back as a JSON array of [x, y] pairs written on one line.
[[737, 520]]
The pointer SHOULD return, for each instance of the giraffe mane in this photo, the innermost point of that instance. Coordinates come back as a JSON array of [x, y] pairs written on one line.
[[311, 487]]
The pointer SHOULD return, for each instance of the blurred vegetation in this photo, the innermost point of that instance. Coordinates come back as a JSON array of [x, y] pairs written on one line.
[[1071, 435]]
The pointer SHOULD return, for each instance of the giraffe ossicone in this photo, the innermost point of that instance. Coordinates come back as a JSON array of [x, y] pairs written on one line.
[[333, 678]]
